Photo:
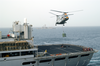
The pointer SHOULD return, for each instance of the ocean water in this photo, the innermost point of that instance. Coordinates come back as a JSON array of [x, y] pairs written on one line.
[[85, 36]]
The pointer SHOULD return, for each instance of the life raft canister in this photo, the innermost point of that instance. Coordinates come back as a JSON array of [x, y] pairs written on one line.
[[84, 49], [51, 55], [87, 49], [58, 54], [91, 49]]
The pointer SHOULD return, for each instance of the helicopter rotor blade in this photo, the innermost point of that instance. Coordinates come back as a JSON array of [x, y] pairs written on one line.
[[58, 11], [66, 12], [75, 11], [52, 13], [70, 14]]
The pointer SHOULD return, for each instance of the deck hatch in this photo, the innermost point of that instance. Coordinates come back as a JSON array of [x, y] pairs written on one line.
[[31, 62], [84, 55], [73, 57], [59, 59], [48, 60]]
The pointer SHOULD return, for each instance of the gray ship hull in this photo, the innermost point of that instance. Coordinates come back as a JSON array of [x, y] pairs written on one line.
[[72, 58], [51, 61]]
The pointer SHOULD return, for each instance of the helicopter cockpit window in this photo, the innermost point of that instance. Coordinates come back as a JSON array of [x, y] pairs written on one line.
[[66, 16]]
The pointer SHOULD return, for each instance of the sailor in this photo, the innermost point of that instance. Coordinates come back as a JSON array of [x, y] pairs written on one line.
[[45, 51]]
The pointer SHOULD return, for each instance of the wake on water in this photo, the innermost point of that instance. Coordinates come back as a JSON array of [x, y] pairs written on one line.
[[95, 61]]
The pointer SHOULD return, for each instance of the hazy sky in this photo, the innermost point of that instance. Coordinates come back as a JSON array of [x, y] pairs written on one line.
[[37, 12]]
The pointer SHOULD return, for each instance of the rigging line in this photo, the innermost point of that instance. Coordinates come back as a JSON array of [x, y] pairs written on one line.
[[63, 29]]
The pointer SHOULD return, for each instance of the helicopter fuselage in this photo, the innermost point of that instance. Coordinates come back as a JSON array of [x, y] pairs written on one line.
[[63, 21]]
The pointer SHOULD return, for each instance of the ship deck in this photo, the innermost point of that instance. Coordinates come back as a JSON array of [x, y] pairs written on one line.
[[62, 48]]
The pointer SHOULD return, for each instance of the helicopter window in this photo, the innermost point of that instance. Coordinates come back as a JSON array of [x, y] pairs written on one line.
[[65, 15]]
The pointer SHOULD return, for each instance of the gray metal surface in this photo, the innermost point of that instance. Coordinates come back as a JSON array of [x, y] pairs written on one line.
[[46, 61]]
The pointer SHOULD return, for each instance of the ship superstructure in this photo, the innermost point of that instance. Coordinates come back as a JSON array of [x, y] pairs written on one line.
[[17, 49]]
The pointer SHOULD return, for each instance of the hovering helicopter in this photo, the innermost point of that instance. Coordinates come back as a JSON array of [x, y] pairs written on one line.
[[61, 19]]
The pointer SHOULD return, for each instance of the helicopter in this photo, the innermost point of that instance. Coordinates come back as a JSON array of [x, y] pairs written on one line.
[[61, 19]]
